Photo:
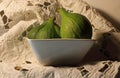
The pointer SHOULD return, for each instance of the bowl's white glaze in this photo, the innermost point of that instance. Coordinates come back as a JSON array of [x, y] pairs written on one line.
[[60, 51]]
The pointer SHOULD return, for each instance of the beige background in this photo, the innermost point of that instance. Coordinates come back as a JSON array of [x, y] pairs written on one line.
[[110, 9]]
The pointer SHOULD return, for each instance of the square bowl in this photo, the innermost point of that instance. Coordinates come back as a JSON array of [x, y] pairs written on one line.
[[60, 51]]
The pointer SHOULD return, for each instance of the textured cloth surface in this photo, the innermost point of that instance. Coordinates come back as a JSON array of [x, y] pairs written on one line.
[[17, 59]]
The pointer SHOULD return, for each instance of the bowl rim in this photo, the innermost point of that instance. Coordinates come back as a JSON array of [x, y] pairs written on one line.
[[58, 39]]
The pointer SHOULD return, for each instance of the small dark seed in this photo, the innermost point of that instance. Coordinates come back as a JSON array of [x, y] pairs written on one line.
[[28, 62], [2, 12], [110, 62], [4, 19], [9, 20], [0, 60], [24, 33], [104, 68], [17, 68], [104, 62], [47, 3], [20, 38], [87, 7], [24, 70], [40, 5], [6, 26], [29, 4], [45, 7], [80, 68], [84, 72]]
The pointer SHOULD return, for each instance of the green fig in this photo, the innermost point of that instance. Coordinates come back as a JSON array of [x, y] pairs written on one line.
[[74, 25], [32, 33], [48, 31]]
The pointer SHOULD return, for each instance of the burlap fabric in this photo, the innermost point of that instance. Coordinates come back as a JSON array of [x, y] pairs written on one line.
[[17, 59]]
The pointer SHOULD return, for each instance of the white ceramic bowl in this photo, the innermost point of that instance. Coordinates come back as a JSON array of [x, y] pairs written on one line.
[[60, 51]]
